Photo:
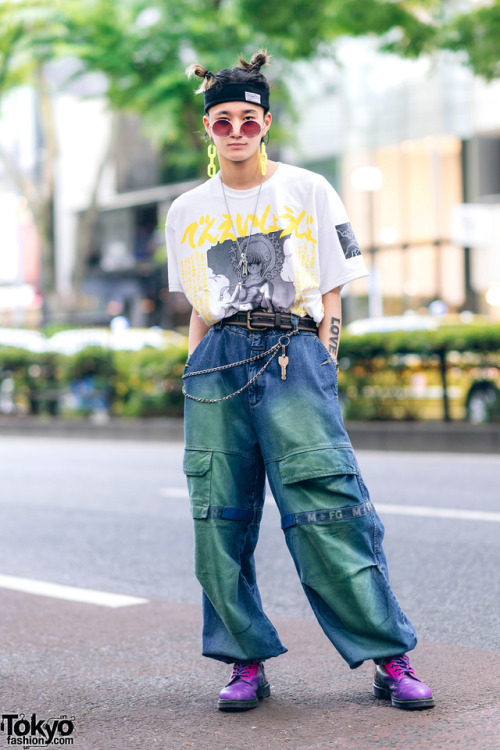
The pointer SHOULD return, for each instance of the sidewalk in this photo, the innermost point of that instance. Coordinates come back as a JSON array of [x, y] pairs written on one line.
[[449, 437], [133, 678]]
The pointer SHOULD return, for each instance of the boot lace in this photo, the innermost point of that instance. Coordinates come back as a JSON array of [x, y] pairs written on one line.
[[401, 665], [241, 670]]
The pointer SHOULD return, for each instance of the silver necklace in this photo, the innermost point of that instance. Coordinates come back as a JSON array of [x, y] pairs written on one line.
[[243, 264]]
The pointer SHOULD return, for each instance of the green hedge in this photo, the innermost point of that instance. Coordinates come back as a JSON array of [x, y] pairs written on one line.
[[148, 382], [383, 361], [130, 384], [472, 337]]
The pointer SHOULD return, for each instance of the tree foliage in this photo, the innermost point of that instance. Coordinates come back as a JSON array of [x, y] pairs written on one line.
[[143, 46], [301, 30], [477, 34]]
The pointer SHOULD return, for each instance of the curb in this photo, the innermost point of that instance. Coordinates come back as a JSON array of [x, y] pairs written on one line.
[[431, 437], [112, 429], [448, 437]]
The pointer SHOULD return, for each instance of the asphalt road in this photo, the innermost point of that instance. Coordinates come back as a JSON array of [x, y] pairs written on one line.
[[112, 516]]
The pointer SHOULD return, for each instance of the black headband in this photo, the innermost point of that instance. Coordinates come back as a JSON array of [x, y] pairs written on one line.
[[254, 93]]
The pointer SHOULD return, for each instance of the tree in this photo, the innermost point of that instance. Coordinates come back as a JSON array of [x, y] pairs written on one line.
[[24, 63], [143, 47]]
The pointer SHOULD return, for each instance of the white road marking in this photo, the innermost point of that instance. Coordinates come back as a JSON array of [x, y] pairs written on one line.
[[426, 511], [69, 593], [423, 511], [176, 492]]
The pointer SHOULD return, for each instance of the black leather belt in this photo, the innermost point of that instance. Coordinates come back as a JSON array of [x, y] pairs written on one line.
[[260, 320]]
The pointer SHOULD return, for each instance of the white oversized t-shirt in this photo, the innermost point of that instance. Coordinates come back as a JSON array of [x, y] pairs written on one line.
[[297, 238]]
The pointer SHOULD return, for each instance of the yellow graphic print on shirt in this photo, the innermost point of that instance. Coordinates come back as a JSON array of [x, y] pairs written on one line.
[[195, 280], [277, 276]]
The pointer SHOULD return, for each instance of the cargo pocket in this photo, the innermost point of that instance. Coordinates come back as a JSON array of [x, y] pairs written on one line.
[[198, 470], [320, 479], [321, 462], [218, 546]]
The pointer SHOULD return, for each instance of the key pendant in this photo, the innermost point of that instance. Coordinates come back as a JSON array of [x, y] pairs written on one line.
[[243, 264], [283, 362]]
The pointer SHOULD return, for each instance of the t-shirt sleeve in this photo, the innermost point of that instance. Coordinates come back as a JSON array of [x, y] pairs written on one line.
[[339, 254], [174, 280]]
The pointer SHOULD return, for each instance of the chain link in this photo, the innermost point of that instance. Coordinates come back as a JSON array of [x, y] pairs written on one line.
[[273, 351]]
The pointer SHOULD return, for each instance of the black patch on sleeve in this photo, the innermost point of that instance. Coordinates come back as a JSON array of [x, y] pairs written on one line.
[[348, 240]]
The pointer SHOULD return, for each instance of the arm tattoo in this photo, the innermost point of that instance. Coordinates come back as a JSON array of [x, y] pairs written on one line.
[[333, 341]]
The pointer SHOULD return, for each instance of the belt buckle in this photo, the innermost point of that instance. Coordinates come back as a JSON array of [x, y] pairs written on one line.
[[249, 326]]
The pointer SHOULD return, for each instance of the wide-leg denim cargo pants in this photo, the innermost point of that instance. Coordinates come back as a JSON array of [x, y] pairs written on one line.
[[291, 430]]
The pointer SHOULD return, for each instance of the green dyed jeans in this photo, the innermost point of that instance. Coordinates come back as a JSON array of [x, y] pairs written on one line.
[[292, 431]]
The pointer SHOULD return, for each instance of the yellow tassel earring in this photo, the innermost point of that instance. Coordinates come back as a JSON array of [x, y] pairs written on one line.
[[212, 153], [263, 158]]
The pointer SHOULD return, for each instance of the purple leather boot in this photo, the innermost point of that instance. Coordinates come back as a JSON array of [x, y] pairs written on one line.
[[396, 681], [246, 687]]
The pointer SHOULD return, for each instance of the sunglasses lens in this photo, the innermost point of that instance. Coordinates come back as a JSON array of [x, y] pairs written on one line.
[[222, 128], [251, 129]]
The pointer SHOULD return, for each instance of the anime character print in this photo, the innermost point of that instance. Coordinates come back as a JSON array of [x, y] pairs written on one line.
[[260, 281]]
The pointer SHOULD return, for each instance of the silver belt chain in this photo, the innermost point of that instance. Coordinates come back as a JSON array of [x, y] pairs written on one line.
[[273, 351]]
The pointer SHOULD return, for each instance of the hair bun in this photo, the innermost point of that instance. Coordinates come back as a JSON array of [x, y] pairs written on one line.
[[258, 60], [198, 70]]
